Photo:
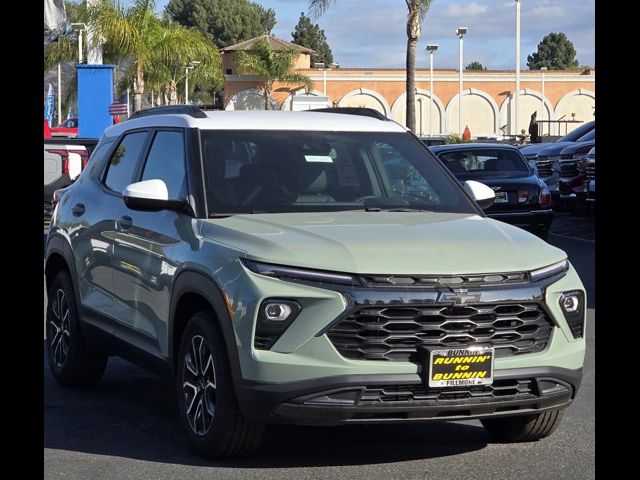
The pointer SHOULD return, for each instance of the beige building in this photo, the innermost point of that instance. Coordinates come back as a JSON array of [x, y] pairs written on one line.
[[488, 96]]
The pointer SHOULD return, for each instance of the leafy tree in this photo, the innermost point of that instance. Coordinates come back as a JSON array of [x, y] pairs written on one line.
[[271, 65], [225, 22], [475, 66], [312, 36], [417, 9], [154, 46], [555, 51]]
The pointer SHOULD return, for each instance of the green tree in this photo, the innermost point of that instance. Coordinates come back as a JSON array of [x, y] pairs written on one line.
[[555, 51], [475, 66], [271, 65], [417, 10], [225, 22], [312, 36], [152, 45]]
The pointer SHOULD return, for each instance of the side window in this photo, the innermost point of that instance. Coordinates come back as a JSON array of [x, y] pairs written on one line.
[[123, 161], [96, 160], [166, 162]]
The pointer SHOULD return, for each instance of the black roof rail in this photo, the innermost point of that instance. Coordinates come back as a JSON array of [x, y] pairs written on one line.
[[362, 111], [191, 110]]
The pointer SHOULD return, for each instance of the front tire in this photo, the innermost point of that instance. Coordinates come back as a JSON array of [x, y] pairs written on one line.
[[72, 361], [523, 428], [209, 410]]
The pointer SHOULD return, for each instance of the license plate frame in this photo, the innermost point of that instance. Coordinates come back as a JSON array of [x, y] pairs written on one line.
[[501, 197], [479, 370]]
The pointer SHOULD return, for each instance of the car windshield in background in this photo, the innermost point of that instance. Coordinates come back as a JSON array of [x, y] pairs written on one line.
[[588, 137], [485, 162], [578, 132], [273, 172]]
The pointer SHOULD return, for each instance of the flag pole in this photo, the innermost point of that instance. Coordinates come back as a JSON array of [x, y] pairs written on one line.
[[59, 94], [128, 103]]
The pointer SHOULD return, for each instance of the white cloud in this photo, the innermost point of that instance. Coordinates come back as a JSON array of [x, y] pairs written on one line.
[[464, 10]]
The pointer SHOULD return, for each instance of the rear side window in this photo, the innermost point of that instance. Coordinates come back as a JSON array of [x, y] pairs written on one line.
[[166, 162], [122, 163], [485, 161]]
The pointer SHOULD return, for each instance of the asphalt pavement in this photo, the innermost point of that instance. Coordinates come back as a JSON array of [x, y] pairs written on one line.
[[127, 427]]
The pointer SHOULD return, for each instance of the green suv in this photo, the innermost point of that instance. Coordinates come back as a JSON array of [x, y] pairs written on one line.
[[284, 267]]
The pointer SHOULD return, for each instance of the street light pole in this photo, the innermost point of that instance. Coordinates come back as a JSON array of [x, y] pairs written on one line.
[[192, 64], [517, 98], [420, 102], [431, 48], [460, 32], [59, 94], [543, 69]]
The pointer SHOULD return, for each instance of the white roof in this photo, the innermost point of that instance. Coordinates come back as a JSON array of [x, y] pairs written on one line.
[[262, 120]]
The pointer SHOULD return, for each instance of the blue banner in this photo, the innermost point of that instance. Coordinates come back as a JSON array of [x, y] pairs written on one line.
[[49, 107]]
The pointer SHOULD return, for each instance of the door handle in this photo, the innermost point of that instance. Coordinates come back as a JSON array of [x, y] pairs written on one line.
[[77, 209], [125, 222]]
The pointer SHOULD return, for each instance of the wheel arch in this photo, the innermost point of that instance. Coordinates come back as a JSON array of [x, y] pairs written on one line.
[[60, 258], [193, 291]]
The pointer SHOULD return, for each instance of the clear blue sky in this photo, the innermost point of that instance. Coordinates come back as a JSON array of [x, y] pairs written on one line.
[[371, 33]]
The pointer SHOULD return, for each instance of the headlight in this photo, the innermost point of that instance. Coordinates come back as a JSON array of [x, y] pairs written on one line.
[[572, 305], [295, 273], [545, 272]]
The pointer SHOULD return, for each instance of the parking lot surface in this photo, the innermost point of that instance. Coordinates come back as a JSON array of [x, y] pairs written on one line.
[[127, 427]]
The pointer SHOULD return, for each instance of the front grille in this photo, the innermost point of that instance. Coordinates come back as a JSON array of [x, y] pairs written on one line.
[[545, 168], [568, 169], [591, 170], [566, 156], [422, 281], [394, 333], [519, 389]]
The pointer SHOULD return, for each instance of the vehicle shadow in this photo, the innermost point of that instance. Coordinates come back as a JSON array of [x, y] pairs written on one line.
[[133, 414]]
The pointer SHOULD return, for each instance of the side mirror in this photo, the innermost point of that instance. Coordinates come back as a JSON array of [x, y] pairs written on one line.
[[150, 195], [483, 195]]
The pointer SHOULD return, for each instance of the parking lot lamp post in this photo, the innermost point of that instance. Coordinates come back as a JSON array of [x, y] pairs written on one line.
[[431, 48], [192, 64], [321, 65], [543, 69], [420, 102], [79, 28], [517, 97], [460, 32]]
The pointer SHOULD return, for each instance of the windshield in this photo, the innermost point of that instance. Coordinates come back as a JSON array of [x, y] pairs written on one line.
[[484, 162], [588, 137], [578, 132], [303, 171]]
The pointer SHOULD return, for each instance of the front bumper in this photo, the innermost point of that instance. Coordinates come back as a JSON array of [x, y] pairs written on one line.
[[364, 398], [283, 384]]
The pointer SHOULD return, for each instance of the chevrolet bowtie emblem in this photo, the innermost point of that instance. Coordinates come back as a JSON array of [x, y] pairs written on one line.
[[459, 296]]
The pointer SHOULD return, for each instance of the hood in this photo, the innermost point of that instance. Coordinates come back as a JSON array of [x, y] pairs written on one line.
[[384, 242], [578, 147], [554, 149], [536, 148]]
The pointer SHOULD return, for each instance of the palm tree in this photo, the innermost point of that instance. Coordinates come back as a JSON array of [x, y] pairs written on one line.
[[271, 65], [137, 34], [417, 11]]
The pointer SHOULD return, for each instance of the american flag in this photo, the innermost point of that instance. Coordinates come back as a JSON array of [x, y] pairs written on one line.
[[120, 106]]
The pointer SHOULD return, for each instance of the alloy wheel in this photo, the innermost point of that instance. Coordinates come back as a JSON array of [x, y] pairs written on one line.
[[199, 385], [59, 331]]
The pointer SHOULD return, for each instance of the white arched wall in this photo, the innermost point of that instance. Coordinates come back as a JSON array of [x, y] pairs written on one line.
[[363, 97], [286, 105], [480, 113], [581, 102], [529, 102], [249, 99], [399, 112]]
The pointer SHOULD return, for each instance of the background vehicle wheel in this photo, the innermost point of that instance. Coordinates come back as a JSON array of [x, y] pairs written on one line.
[[72, 361], [523, 428], [208, 407]]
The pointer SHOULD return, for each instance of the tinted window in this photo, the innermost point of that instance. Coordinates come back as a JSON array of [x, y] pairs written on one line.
[[272, 171], [123, 161], [484, 162], [588, 137], [166, 162]]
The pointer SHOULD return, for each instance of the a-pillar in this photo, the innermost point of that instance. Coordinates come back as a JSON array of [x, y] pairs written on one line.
[[95, 94]]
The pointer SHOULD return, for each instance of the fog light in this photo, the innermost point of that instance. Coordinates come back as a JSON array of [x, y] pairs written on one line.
[[573, 307], [570, 303], [277, 312], [274, 317]]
